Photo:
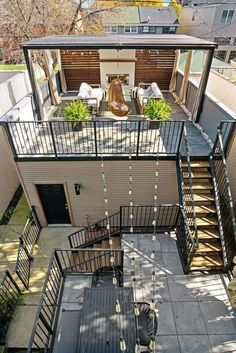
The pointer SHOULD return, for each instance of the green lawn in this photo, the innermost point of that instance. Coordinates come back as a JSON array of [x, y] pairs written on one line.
[[13, 67]]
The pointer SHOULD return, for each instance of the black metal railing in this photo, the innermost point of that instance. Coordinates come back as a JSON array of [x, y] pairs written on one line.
[[79, 261], [224, 202], [95, 232], [185, 185], [186, 243], [119, 222], [57, 139], [168, 218], [26, 246], [228, 133], [143, 216], [9, 294]]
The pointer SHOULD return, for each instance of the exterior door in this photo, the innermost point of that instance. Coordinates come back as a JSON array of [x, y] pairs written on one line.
[[54, 203]]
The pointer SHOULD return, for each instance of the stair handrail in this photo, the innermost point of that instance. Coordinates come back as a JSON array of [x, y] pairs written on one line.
[[183, 191], [189, 233], [218, 150], [80, 237]]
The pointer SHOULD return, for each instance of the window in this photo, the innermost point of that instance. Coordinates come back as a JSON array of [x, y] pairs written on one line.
[[232, 55], [220, 54], [222, 40], [227, 16], [111, 29], [130, 29], [170, 29], [149, 29]]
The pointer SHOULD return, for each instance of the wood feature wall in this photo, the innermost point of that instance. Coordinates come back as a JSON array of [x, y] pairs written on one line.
[[154, 66], [80, 66]]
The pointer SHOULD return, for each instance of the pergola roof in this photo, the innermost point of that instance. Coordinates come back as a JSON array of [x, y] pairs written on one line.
[[111, 41]]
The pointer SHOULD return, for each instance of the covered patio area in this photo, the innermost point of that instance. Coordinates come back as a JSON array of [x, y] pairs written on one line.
[[135, 60]]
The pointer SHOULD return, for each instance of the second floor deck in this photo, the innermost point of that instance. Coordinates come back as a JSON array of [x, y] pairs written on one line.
[[143, 139]]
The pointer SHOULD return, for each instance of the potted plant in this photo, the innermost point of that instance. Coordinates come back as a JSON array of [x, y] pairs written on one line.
[[157, 110], [77, 111]]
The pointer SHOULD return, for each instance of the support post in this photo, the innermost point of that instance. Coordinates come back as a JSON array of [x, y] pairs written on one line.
[[29, 64], [200, 96]]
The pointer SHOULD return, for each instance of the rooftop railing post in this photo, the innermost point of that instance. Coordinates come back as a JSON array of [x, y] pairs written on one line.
[[138, 139], [95, 138], [53, 139]]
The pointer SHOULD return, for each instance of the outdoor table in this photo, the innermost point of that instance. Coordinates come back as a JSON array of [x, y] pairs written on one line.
[[101, 326]]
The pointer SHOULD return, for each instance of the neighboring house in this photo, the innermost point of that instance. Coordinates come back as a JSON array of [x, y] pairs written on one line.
[[133, 20], [214, 21]]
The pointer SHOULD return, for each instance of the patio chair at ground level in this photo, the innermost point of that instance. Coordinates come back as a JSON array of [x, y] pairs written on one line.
[[147, 323], [104, 275]]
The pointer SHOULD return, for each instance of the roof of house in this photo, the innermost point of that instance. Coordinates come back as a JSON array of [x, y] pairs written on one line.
[[158, 15], [141, 15], [124, 41]]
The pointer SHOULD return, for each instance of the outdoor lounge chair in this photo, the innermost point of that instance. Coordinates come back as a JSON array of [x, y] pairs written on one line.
[[92, 96], [145, 91]]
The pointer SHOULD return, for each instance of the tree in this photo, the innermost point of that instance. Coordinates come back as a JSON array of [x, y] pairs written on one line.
[[22, 20], [176, 6], [158, 3]]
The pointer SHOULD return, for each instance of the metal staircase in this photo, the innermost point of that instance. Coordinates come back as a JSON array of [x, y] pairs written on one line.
[[205, 195], [208, 253]]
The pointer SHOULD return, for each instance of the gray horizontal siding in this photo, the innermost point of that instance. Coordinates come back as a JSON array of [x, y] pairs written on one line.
[[90, 202]]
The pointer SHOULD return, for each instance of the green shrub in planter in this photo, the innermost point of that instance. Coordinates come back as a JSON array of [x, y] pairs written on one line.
[[158, 109], [77, 111]]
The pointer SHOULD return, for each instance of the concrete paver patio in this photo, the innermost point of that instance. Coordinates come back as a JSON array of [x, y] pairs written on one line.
[[193, 311]]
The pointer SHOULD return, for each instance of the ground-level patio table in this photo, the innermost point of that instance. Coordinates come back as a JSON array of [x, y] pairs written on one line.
[[101, 326]]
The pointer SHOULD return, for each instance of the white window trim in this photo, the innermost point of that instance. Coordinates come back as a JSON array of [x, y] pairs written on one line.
[[226, 18], [130, 29]]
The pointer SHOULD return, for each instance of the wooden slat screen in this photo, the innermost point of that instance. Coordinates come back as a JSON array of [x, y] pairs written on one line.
[[80, 66], [154, 66]]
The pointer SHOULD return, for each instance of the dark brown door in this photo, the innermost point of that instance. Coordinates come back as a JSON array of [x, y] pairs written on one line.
[[54, 203]]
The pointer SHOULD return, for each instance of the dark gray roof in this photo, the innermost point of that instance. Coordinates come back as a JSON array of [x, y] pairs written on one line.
[[158, 15], [134, 41]]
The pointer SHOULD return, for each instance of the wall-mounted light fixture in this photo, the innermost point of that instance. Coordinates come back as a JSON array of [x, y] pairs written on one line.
[[77, 188]]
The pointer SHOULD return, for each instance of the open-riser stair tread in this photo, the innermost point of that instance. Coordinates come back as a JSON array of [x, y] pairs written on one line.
[[200, 186], [209, 247], [202, 262], [203, 197], [206, 221], [198, 164], [197, 174], [209, 234], [205, 209]]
